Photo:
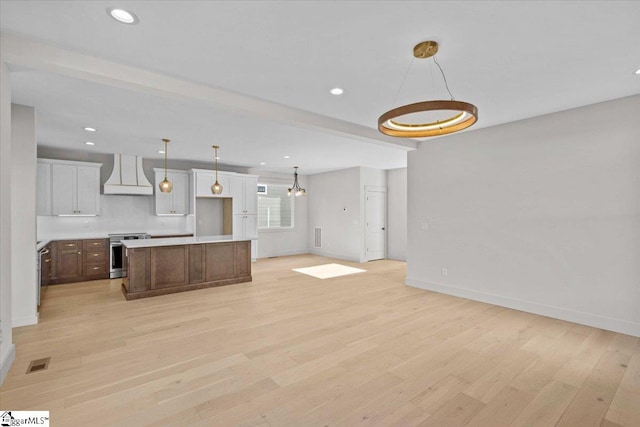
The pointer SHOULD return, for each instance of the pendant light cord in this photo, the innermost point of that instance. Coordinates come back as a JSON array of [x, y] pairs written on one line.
[[443, 77], [216, 165], [446, 84], [165, 159], [402, 84]]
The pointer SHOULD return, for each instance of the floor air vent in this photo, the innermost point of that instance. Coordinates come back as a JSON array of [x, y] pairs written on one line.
[[318, 237], [38, 365]]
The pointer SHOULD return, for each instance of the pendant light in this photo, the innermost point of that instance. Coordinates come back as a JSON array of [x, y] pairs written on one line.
[[216, 188], [465, 114], [165, 185], [296, 189]]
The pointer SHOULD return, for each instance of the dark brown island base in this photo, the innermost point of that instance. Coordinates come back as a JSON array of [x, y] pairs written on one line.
[[164, 266]]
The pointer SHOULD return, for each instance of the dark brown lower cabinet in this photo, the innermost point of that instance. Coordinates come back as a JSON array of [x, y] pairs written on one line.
[[68, 259], [95, 258], [138, 277], [243, 260], [162, 270], [220, 261], [79, 260], [169, 266], [46, 266], [197, 265]]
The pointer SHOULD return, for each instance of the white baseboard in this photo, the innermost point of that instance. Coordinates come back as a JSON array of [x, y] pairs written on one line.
[[285, 253], [335, 255], [589, 319], [24, 321], [6, 362]]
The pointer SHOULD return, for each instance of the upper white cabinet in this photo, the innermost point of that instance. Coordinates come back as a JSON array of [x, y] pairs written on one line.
[[244, 190], [205, 179], [43, 185], [175, 202], [68, 188]]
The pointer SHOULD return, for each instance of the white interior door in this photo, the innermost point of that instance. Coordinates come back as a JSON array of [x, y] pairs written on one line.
[[376, 223]]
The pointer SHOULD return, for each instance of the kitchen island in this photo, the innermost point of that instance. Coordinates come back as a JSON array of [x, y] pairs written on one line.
[[163, 266]]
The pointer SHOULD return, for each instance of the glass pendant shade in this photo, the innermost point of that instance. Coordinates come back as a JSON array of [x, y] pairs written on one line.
[[216, 188], [165, 185]]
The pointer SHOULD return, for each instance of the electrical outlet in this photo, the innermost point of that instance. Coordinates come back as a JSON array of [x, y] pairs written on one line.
[[445, 272], [424, 226]]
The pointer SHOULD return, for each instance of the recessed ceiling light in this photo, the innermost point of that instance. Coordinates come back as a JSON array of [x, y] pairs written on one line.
[[123, 16], [287, 157], [337, 91], [90, 143], [161, 152], [90, 129], [262, 163]]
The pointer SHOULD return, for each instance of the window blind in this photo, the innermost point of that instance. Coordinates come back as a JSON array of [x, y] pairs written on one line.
[[275, 209]]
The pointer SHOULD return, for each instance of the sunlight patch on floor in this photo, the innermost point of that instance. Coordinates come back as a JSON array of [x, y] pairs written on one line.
[[328, 271]]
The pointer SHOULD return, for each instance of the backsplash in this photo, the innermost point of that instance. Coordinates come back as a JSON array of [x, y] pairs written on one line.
[[130, 214]]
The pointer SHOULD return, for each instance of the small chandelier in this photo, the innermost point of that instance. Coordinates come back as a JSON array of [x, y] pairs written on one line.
[[296, 189], [465, 114], [165, 185], [216, 188]]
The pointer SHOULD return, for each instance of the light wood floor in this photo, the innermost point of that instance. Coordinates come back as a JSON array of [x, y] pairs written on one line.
[[288, 349]]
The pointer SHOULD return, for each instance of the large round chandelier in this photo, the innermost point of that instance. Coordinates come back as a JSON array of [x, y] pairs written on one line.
[[458, 114]]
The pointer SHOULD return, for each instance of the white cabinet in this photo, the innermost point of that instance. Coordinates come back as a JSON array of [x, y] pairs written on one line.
[[244, 190], [175, 202], [75, 188], [204, 181], [239, 189], [246, 226], [43, 189]]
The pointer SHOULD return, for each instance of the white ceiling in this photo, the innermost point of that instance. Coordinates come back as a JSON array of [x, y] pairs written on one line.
[[512, 59]]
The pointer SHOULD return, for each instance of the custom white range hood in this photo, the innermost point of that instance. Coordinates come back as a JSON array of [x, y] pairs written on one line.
[[128, 177]]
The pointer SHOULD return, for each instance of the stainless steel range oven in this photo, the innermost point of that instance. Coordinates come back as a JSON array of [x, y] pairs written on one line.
[[117, 252]]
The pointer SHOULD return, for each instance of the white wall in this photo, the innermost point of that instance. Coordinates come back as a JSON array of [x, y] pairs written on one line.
[[541, 215], [24, 286], [397, 214], [273, 243], [337, 205], [7, 348], [334, 206], [132, 214], [209, 216]]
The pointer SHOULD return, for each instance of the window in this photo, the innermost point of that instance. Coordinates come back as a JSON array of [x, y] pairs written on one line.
[[275, 207]]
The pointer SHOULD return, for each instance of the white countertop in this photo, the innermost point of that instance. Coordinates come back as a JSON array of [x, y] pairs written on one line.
[[41, 244], [174, 241], [78, 236], [94, 235]]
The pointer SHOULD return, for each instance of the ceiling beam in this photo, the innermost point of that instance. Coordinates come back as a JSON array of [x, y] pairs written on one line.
[[20, 53]]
